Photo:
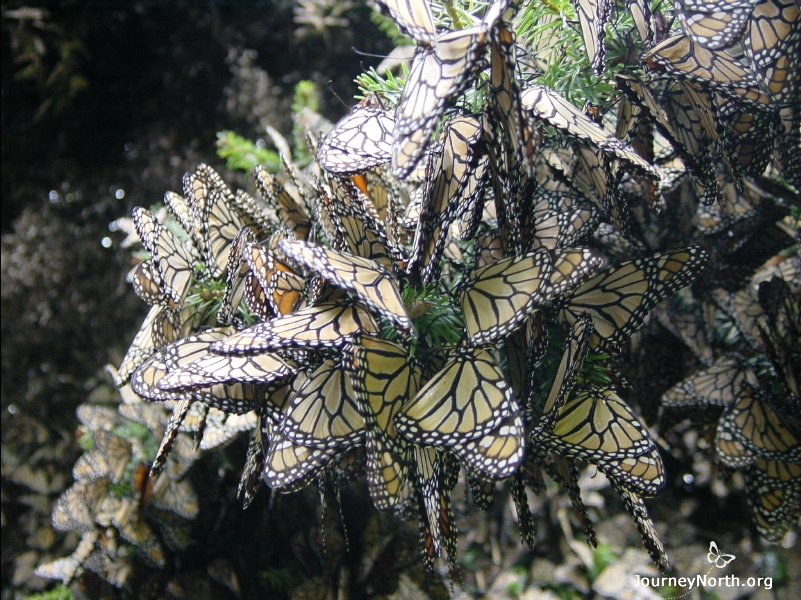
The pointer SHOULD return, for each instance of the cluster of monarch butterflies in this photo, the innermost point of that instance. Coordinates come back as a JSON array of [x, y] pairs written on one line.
[[745, 396], [442, 295], [128, 523]]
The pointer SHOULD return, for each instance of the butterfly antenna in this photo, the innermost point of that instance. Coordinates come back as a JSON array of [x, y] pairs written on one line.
[[337, 96]]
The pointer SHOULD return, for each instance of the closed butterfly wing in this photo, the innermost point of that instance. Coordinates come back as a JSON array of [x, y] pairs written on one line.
[[543, 103], [593, 16], [383, 380], [172, 261], [711, 28], [437, 76], [413, 18], [752, 429], [650, 538], [360, 141], [326, 325], [370, 282], [773, 491]]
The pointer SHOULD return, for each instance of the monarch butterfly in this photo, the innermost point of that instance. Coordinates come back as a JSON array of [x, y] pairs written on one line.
[[176, 496], [773, 489], [576, 346], [498, 297], [743, 310], [76, 508], [496, 455], [752, 429], [109, 457], [467, 407], [711, 69], [372, 284], [328, 324], [437, 76], [250, 481], [253, 213], [213, 428], [237, 271], [323, 412], [161, 326], [543, 103], [771, 45], [619, 298], [782, 330], [437, 522], [595, 425], [220, 226], [281, 286], [146, 282], [210, 369], [716, 386], [639, 513], [715, 28], [450, 181], [383, 379], [360, 140], [150, 415], [518, 142], [356, 230], [559, 227], [413, 17], [643, 20], [172, 262], [231, 397], [67, 568], [290, 212], [695, 155], [289, 467], [593, 16]]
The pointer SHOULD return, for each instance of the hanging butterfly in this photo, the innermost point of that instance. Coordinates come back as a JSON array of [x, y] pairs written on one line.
[[619, 298], [326, 325], [161, 326], [639, 513], [323, 412], [716, 386], [714, 70], [413, 18], [773, 489], [372, 284], [593, 16], [752, 429], [290, 213], [544, 104], [438, 75], [383, 379], [172, 261], [468, 408], [451, 180], [715, 27], [359, 141]]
